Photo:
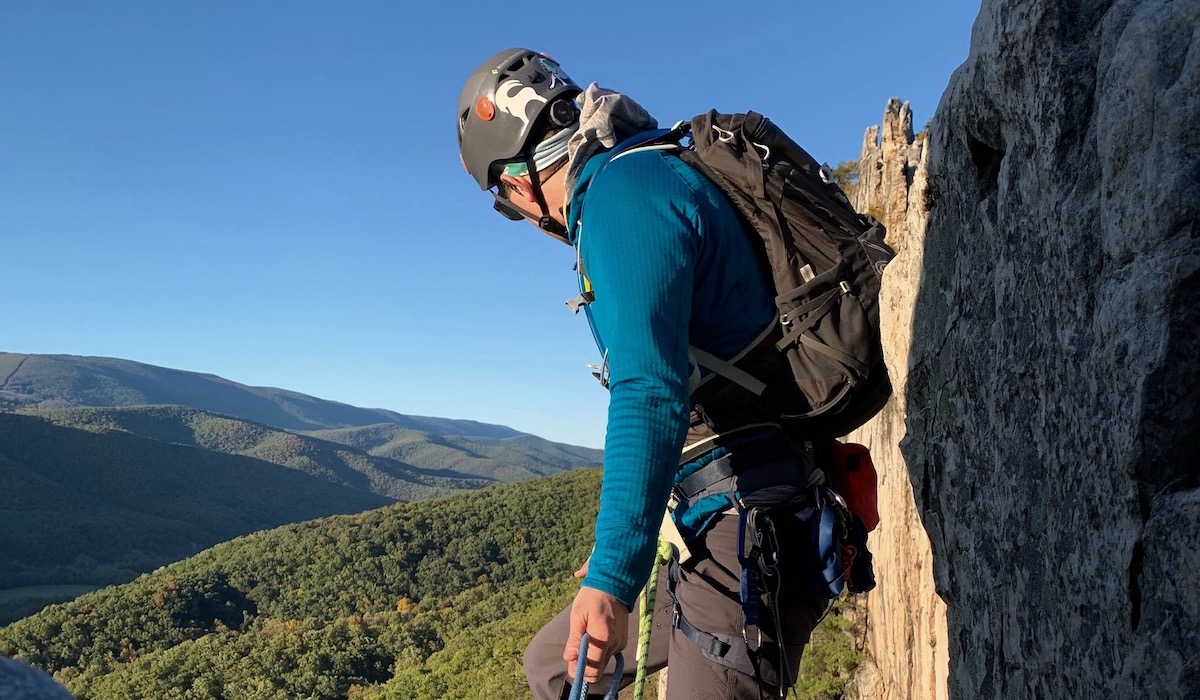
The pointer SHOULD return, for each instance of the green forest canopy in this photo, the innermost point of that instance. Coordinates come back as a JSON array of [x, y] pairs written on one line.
[[428, 600]]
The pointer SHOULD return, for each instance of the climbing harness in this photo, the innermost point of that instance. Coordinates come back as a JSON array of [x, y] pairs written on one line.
[[758, 557], [762, 581], [579, 686]]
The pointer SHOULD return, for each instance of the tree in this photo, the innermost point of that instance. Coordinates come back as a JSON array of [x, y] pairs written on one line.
[[845, 174]]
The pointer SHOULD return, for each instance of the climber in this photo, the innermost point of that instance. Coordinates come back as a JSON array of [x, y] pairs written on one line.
[[664, 264]]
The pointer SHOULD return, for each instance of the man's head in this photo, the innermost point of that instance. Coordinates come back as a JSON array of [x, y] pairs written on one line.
[[515, 115]]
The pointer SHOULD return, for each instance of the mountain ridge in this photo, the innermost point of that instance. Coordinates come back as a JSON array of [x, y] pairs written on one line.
[[333, 461], [75, 381]]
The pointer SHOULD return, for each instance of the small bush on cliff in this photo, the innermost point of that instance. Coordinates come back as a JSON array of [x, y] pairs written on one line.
[[830, 659], [845, 174]]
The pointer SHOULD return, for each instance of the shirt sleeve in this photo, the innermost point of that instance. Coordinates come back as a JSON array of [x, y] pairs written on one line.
[[638, 245]]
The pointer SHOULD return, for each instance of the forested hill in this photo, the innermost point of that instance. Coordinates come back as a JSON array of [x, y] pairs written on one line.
[[503, 459], [335, 462], [84, 507], [415, 601], [57, 381], [428, 600]]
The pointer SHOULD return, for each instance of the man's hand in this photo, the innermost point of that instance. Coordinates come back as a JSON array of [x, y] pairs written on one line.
[[606, 620], [582, 571]]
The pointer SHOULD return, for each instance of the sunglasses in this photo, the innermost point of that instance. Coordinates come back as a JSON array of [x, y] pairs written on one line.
[[506, 209]]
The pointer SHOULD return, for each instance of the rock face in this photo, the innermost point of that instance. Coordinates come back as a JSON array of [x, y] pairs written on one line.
[[1050, 388], [1043, 332], [21, 682], [886, 171], [907, 645]]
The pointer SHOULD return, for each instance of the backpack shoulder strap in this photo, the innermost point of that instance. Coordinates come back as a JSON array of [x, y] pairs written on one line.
[[655, 139]]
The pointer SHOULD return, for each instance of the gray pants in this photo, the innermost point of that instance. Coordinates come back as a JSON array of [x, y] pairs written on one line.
[[709, 598]]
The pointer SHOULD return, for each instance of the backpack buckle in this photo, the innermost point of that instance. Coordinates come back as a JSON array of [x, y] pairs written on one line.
[[600, 371], [581, 301]]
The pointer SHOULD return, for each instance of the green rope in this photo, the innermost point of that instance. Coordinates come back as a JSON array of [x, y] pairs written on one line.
[[663, 555]]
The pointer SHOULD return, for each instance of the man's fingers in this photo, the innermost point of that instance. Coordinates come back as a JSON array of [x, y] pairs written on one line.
[[606, 621], [598, 656], [597, 659], [577, 626]]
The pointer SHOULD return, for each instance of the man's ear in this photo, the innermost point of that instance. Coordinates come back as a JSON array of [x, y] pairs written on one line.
[[519, 186]]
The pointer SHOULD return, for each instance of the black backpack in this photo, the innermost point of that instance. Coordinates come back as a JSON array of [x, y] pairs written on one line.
[[826, 261]]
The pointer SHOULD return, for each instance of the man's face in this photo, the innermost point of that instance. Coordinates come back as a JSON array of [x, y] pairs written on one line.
[[516, 195]]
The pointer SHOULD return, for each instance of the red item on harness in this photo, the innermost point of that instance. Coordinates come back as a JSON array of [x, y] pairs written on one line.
[[852, 474]]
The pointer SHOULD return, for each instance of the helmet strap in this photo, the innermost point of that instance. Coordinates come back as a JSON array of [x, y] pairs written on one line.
[[546, 222]]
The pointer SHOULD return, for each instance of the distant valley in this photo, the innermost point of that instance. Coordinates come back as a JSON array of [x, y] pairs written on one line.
[[109, 468]]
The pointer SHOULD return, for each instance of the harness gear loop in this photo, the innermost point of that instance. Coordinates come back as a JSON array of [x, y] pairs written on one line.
[[748, 578]]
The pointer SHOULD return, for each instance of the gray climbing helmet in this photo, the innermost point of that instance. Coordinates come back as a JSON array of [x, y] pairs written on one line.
[[506, 107]]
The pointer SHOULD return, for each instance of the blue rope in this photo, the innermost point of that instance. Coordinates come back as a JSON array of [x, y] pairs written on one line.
[[579, 686]]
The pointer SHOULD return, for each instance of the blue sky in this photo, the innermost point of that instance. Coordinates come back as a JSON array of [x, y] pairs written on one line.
[[271, 191]]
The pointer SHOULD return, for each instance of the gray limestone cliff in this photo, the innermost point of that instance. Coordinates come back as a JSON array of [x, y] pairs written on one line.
[[19, 681], [906, 638], [1046, 402]]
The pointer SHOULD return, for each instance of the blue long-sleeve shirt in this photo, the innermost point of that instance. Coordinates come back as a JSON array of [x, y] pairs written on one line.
[[670, 265]]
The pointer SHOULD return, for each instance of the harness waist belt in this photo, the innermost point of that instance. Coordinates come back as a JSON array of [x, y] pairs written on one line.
[[749, 465]]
